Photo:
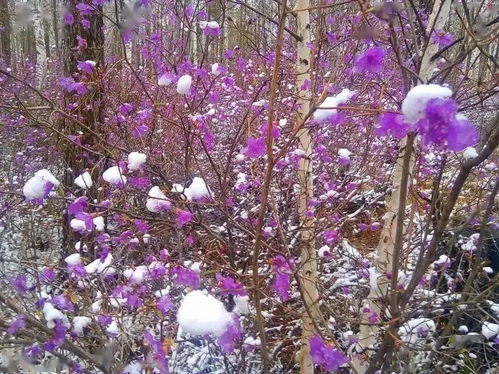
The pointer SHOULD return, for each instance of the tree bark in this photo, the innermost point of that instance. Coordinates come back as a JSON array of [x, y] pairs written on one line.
[[41, 51], [308, 271], [91, 113], [6, 30]]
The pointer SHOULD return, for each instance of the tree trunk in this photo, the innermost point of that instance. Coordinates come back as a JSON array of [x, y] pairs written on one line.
[[91, 110], [308, 271], [6, 29], [385, 255], [41, 51]]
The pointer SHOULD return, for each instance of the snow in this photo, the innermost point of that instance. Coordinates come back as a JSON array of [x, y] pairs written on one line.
[[184, 84], [157, 201], [242, 305], [344, 153], [113, 328], [134, 367], [78, 225], [260, 103], [410, 331], [215, 69], [201, 314], [84, 180], [488, 270], [198, 190], [332, 102], [35, 188], [137, 275], [79, 323], [52, 314], [99, 223], [97, 266], [414, 104], [443, 260], [469, 153], [463, 329], [324, 251], [136, 160], [489, 330], [165, 79], [74, 259], [114, 175], [210, 25]]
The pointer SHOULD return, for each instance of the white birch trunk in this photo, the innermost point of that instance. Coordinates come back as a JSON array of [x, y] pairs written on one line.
[[308, 272], [384, 254], [41, 54]]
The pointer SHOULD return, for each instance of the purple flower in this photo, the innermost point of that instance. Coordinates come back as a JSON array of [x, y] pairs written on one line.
[[141, 225], [18, 323], [32, 352], [462, 134], [229, 286], [61, 302], [77, 271], [140, 130], [70, 85], [275, 131], [87, 218], [441, 38], [20, 284], [84, 9], [47, 275], [68, 18], [371, 60], [104, 320], [78, 205], [230, 336], [186, 277], [159, 352], [82, 43], [157, 271], [373, 317], [133, 301], [281, 265], [281, 285], [391, 124], [164, 304], [325, 355], [331, 237], [212, 29], [57, 338], [125, 108], [86, 66], [255, 147], [183, 218], [442, 126], [140, 182]]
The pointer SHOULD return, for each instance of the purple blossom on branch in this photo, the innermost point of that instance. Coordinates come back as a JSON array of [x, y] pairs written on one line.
[[183, 218], [186, 277], [371, 60], [229, 286], [325, 355], [18, 323], [255, 147]]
